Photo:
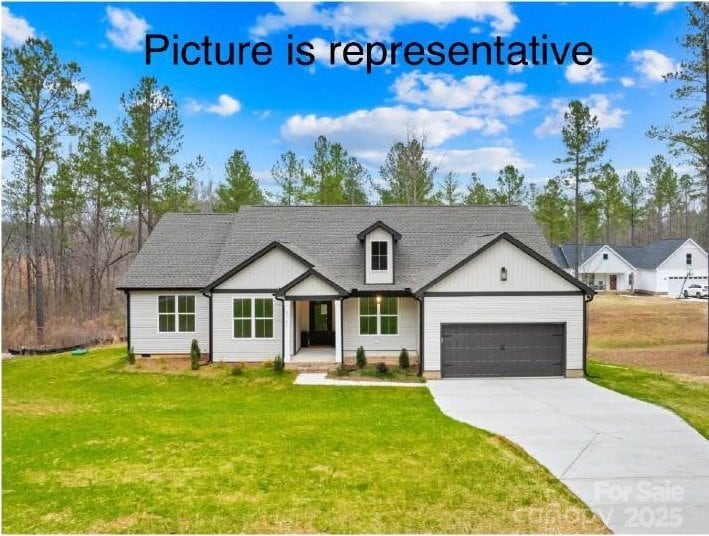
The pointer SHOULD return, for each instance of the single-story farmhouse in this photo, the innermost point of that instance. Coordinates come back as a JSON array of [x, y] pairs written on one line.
[[468, 291], [663, 267]]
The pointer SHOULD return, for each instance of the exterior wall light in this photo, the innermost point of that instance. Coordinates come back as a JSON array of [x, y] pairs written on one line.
[[503, 274]]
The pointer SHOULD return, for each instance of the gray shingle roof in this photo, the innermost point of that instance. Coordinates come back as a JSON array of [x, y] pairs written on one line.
[[646, 257], [194, 250]]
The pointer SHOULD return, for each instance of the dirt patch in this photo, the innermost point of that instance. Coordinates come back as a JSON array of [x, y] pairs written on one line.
[[123, 523], [687, 359], [38, 407], [163, 364]]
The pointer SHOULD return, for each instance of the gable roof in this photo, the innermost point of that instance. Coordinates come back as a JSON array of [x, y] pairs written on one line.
[[565, 254], [512, 240], [305, 275], [653, 255], [182, 252], [379, 224]]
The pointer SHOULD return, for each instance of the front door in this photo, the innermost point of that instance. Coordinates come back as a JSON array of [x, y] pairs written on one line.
[[321, 323], [614, 282]]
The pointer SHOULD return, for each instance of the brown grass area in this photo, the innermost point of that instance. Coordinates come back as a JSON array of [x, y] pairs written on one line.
[[650, 332], [619, 321]]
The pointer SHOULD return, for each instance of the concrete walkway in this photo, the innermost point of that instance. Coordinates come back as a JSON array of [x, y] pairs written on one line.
[[320, 378], [639, 467]]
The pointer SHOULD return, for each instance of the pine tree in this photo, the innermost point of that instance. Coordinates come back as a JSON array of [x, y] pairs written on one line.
[[634, 193], [608, 196], [449, 194], [288, 175], [510, 186], [408, 175], [240, 186], [552, 211], [478, 194]]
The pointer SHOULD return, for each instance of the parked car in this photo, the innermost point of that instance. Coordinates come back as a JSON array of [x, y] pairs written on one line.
[[696, 291]]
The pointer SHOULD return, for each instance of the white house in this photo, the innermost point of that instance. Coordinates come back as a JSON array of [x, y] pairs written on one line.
[[468, 291], [663, 267]]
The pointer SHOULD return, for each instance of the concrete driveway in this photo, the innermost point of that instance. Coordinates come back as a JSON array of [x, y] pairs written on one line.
[[640, 467]]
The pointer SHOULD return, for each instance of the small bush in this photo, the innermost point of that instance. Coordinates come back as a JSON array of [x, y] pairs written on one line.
[[404, 359], [361, 357], [131, 356], [278, 364], [237, 370], [382, 368], [195, 355]]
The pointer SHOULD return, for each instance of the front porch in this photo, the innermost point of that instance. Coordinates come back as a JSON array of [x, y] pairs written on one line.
[[314, 354], [313, 331]]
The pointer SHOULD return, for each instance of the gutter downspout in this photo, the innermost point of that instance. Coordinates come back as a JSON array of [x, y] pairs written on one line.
[[588, 298], [128, 321], [420, 352], [211, 331], [283, 327]]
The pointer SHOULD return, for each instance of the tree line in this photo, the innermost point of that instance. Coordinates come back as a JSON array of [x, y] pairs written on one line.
[[82, 196]]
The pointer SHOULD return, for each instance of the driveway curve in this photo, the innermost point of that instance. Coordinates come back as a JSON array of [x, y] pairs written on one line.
[[639, 467]]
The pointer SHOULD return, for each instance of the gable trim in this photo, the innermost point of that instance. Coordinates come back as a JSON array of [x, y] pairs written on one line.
[[608, 246], [256, 256], [659, 266], [379, 224], [525, 249], [305, 275]]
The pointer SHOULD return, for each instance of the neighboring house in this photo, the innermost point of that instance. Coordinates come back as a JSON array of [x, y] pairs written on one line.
[[469, 291], [664, 267]]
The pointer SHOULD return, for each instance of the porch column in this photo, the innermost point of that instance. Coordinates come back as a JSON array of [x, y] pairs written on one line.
[[287, 330], [338, 331]]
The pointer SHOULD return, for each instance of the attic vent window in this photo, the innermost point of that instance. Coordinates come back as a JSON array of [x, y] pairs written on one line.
[[689, 259], [379, 255], [605, 256]]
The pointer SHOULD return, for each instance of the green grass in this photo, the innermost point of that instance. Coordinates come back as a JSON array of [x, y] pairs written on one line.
[[688, 398], [90, 447]]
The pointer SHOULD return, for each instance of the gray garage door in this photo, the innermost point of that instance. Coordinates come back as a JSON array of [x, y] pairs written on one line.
[[502, 350]]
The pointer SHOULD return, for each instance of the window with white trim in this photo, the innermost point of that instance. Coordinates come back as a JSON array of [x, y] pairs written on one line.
[[379, 318], [253, 318], [379, 255], [176, 312]]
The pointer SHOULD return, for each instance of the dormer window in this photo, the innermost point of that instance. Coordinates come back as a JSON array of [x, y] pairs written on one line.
[[378, 241], [379, 255]]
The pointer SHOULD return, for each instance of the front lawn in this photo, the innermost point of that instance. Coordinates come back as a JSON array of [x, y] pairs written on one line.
[[686, 396], [90, 447]]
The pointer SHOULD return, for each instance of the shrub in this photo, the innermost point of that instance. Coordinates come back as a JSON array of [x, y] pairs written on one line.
[[237, 370], [278, 364], [341, 370], [131, 356], [404, 359], [361, 357], [195, 354], [382, 368]]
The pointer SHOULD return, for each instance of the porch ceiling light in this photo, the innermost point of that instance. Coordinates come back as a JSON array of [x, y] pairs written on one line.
[[503, 274], [379, 299]]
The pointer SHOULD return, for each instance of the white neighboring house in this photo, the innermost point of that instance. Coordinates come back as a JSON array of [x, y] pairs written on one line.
[[468, 291], [663, 267]]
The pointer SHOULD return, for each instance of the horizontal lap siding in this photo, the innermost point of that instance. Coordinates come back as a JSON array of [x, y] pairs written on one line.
[[408, 329], [501, 310], [226, 348], [144, 335]]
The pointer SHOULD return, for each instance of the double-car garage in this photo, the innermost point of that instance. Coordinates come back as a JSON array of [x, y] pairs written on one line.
[[519, 349]]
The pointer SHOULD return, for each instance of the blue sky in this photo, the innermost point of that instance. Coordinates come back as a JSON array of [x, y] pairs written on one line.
[[475, 118]]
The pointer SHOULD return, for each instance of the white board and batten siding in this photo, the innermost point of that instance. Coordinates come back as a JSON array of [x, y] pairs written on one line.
[[144, 335], [273, 270], [311, 286], [524, 274], [379, 276], [408, 336], [675, 266]]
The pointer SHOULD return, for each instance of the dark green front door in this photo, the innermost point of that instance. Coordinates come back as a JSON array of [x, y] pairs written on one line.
[[321, 323]]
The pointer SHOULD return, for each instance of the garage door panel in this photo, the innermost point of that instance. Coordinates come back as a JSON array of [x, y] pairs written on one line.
[[502, 349]]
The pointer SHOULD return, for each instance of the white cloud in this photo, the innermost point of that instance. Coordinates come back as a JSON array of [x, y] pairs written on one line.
[[225, 106], [378, 20], [651, 64], [481, 160], [82, 87], [15, 30], [661, 7], [363, 130], [477, 93], [586, 74], [127, 30], [598, 104], [626, 81]]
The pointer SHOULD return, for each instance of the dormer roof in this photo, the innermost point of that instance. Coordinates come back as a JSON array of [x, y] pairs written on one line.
[[379, 224]]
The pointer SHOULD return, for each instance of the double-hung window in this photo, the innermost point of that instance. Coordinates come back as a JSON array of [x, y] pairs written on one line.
[[253, 318], [379, 255], [379, 318], [176, 313]]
